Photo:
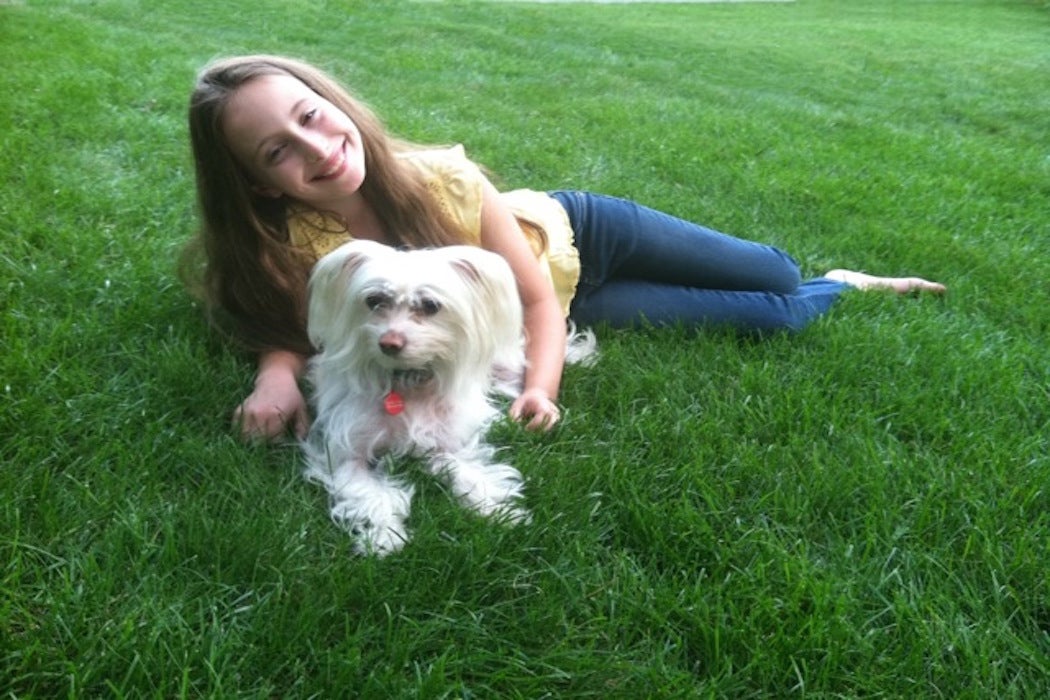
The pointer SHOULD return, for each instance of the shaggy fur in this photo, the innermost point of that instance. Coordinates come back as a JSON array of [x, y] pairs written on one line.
[[412, 346]]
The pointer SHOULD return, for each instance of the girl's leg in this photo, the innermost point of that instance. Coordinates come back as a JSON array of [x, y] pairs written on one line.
[[625, 303], [640, 263], [619, 239]]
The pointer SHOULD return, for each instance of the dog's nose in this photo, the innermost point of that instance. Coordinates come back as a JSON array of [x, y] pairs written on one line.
[[391, 343]]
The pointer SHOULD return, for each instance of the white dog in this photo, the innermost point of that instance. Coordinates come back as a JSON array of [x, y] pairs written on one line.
[[411, 347]]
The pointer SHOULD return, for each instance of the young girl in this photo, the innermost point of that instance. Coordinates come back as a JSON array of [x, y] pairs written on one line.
[[289, 166]]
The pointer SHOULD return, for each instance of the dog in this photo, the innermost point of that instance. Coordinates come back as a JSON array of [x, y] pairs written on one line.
[[412, 346]]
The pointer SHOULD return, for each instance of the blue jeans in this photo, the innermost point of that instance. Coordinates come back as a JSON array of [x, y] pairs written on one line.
[[639, 265]]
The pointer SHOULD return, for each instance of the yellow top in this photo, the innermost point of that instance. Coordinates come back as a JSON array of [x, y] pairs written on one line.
[[455, 181]]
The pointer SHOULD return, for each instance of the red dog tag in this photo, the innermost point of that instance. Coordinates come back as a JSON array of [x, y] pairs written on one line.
[[393, 403]]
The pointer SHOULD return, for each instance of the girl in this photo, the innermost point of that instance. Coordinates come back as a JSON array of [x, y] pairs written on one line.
[[289, 166]]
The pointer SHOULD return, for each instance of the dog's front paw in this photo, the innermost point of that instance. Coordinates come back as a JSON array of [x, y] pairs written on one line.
[[373, 536], [380, 541], [510, 514], [491, 490]]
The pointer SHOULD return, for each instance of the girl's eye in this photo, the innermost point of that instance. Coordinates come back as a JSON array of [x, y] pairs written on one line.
[[309, 116], [274, 154]]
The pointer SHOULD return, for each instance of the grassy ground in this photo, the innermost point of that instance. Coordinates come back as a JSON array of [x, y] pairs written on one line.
[[859, 510]]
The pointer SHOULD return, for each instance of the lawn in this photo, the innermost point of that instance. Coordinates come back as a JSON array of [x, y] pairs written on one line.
[[857, 510]]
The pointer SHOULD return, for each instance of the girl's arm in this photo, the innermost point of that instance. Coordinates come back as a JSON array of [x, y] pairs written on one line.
[[544, 320], [276, 405]]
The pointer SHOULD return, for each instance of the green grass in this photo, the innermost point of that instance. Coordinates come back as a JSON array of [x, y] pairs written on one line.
[[860, 510]]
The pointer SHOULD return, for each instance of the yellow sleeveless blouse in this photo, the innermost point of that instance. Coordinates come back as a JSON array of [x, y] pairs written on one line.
[[455, 181]]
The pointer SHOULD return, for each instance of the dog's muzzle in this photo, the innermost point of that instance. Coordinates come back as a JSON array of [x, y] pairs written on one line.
[[392, 343]]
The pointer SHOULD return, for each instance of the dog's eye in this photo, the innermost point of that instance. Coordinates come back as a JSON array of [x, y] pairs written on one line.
[[428, 307], [376, 300]]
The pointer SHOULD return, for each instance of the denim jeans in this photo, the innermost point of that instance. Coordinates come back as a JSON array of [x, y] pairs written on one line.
[[639, 265]]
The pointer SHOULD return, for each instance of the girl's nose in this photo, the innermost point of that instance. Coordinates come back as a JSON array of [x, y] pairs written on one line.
[[314, 148]]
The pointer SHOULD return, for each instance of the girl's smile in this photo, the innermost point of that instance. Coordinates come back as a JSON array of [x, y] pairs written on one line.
[[295, 143], [334, 165]]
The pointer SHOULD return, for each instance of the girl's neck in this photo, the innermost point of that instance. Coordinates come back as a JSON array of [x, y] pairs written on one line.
[[361, 220]]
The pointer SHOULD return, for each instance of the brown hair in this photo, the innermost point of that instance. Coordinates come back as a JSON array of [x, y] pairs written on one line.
[[241, 264]]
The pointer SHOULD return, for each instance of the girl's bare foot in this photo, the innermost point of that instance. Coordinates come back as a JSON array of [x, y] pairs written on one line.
[[900, 285]]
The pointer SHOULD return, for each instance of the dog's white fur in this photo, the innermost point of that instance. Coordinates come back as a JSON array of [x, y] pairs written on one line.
[[442, 328]]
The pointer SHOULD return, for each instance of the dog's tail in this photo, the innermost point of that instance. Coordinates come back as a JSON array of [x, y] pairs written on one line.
[[581, 348]]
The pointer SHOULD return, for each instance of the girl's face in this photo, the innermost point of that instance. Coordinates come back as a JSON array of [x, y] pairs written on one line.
[[294, 142]]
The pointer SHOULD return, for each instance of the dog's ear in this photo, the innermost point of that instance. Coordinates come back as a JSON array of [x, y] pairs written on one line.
[[498, 315], [467, 269], [330, 281], [488, 273]]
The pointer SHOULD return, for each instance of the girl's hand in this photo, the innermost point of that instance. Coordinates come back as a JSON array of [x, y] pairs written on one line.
[[276, 406], [535, 406]]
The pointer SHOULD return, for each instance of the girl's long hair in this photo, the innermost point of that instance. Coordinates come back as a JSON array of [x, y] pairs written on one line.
[[241, 263]]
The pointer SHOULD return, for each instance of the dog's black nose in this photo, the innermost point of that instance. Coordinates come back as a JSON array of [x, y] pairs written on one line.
[[391, 343]]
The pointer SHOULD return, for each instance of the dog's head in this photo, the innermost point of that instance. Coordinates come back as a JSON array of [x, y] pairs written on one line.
[[442, 310]]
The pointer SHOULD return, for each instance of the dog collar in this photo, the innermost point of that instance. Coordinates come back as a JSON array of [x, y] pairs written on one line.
[[393, 403], [406, 380]]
